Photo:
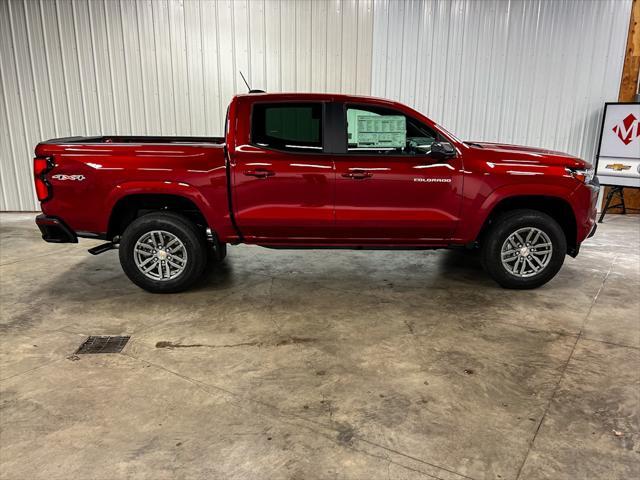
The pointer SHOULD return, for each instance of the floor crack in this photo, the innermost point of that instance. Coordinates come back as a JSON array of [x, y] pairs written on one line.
[[31, 370], [300, 421], [564, 369], [164, 344]]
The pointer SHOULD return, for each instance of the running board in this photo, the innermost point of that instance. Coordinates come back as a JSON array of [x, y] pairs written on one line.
[[102, 248]]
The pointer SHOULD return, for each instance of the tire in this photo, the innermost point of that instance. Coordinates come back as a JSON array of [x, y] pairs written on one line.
[[184, 262], [518, 269]]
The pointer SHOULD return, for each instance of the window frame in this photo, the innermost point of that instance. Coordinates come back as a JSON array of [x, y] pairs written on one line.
[[323, 126], [364, 106]]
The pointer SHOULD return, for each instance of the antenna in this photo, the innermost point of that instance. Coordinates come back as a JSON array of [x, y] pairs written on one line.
[[245, 81], [247, 84]]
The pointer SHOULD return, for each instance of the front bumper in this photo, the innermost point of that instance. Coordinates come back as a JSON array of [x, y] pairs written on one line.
[[589, 204], [584, 201], [55, 230]]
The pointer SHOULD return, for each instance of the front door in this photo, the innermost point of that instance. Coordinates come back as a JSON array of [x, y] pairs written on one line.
[[283, 180], [388, 186]]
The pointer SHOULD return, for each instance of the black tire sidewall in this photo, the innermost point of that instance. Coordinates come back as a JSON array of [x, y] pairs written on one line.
[[505, 226], [180, 227]]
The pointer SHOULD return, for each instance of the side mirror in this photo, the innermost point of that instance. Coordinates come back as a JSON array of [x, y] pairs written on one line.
[[442, 150]]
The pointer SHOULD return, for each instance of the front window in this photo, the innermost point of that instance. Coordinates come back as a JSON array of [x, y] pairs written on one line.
[[290, 126], [381, 130]]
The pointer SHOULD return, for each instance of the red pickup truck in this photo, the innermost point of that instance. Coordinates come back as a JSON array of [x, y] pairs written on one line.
[[314, 171]]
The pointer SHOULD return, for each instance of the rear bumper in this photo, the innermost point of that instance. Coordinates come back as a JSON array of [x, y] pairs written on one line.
[[55, 230]]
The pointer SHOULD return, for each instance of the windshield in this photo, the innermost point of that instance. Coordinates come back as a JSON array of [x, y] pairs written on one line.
[[448, 133]]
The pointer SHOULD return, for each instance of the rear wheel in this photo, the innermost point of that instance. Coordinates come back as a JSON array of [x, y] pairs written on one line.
[[524, 249], [163, 252]]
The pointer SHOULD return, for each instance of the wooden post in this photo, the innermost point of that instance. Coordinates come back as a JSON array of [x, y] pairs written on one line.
[[629, 81], [629, 86]]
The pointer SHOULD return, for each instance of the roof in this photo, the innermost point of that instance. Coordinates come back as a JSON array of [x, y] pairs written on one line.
[[315, 96]]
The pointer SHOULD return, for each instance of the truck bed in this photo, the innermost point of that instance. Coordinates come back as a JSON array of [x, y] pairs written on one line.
[[133, 139], [88, 177]]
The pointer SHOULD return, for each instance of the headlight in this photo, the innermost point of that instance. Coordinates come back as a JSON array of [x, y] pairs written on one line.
[[585, 176]]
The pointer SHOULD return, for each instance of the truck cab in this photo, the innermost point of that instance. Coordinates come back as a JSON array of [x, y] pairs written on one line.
[[342, 170]]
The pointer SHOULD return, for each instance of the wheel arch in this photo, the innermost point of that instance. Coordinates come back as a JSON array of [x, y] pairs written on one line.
[[134, 205], [556, 207]]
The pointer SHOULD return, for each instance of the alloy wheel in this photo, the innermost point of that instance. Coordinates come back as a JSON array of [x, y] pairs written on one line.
[[160, 255], [526, 252]]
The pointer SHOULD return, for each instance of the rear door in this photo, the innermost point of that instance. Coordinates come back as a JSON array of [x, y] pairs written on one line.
[[283, 179], [388, 186]]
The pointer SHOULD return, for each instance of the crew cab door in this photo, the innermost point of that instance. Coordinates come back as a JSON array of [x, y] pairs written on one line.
[[283, 181], [389, 186]]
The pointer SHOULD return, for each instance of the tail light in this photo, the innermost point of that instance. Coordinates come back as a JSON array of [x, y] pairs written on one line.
[[42, 165]]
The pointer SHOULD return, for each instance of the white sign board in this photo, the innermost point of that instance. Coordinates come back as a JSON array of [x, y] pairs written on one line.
[[618, 161]]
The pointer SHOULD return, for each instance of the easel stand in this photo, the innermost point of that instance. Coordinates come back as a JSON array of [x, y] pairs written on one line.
[[614, 192]]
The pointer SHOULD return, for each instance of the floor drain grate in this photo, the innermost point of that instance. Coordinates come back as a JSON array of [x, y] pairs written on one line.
[[102, 344]]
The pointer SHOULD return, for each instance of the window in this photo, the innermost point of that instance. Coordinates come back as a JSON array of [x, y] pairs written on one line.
[[290, 126], [383, 131]]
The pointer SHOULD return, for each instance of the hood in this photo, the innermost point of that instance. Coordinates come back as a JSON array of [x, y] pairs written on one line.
[[504, 152]]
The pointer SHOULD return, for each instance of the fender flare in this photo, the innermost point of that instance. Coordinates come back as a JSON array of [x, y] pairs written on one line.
[[506, 192], [157, 187]]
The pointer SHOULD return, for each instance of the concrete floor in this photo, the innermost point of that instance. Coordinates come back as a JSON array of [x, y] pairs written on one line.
[[321, 364]]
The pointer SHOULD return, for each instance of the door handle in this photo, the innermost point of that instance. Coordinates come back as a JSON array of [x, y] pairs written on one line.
[[259, 173], [358, 175]]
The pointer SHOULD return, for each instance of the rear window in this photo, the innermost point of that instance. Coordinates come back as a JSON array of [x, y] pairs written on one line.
[[291, 126]]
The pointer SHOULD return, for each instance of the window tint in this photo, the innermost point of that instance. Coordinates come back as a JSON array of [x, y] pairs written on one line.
[[290, 126], [384, 131]]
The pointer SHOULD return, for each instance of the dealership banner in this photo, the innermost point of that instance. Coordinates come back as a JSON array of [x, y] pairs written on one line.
[[618, 160]]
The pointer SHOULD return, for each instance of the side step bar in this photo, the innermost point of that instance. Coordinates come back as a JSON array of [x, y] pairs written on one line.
[[102, 248]]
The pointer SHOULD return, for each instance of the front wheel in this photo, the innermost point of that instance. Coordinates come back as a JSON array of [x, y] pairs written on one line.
[[524, 249], [163, 252]]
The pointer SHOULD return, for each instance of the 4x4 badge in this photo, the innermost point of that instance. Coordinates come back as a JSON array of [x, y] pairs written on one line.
[[61, 176]]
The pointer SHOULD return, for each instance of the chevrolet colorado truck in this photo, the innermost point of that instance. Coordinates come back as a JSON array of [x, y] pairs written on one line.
[[314, 171]]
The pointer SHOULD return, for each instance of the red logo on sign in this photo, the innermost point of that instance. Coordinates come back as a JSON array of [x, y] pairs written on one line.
[[627, 130]]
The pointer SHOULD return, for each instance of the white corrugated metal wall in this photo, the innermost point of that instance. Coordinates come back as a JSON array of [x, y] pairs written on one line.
[[159, 67], [533, 72]]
